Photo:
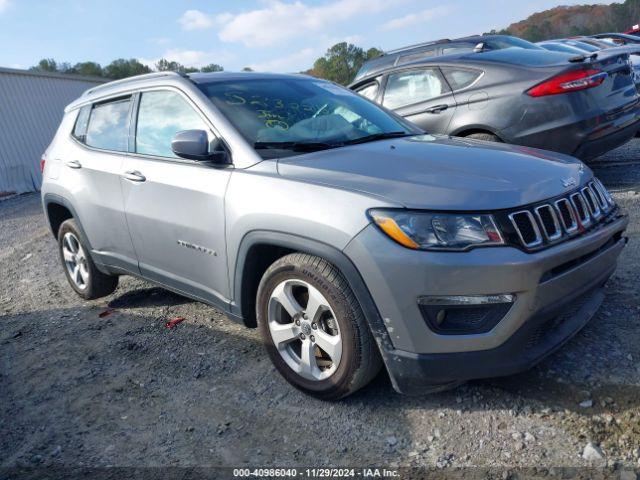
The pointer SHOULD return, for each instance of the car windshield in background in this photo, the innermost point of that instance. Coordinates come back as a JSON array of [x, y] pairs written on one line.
[[582, 45], [561, 47], [499, 43], [285, 116]]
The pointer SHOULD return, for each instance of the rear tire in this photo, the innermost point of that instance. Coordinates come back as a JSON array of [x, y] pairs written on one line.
[[303, 282], [487, 137], [82, 274]]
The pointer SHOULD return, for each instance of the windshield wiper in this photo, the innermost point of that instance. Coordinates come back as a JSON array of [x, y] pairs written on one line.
[[295, 146], [315, 146], [378, 136]]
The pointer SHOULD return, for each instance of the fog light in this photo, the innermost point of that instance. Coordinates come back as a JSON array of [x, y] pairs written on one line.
[[464, 314], [466, 299]]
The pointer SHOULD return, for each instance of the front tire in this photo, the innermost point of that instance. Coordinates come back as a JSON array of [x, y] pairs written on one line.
[[313, 328], [487, 137], [81, 272]]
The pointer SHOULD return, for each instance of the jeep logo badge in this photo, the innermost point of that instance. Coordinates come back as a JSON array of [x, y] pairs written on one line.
[[306, 328], [569, 182]]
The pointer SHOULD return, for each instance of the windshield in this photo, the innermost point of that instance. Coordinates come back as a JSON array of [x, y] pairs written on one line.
[[498, 43], [279, 116], [597, 43], [561, 47], [582, 46], [621, 36]]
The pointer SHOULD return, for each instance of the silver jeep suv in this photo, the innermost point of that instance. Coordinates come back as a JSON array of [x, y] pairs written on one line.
[[347, 236]]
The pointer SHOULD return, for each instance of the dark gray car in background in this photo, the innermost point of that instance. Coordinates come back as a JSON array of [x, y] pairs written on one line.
[[580, 105], [438, 48]]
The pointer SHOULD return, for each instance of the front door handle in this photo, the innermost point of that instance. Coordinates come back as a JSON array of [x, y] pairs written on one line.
[[437, 109], [134, 176], [74, 164]]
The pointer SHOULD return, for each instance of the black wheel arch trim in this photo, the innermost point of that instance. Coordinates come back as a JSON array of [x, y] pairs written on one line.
[[473, 128], [50, 198], [320, 249], [340, 260]]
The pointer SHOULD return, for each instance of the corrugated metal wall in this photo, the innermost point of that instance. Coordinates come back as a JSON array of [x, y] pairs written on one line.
[[31, 107]]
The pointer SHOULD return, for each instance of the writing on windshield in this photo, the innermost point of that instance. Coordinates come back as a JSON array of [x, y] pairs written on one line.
[[290, 112]]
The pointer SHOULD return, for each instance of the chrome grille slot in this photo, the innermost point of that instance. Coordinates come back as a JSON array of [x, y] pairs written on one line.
[[549, 221], [567, 215], [602, 199], [604, 192], [581, 208], [526, 228], [589, 196]]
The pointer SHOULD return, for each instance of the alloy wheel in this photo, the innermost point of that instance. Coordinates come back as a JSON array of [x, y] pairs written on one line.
[[75, 260], [304, 329]]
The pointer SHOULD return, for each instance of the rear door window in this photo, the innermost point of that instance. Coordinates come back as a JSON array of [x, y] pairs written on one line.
[[108, 125], [413, 86], [460, 78], [161, 115]]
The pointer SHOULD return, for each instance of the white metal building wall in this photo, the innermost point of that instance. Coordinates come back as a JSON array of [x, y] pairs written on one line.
[[31, 107]]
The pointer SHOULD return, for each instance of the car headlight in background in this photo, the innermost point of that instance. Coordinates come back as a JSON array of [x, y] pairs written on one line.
[[438, 231]]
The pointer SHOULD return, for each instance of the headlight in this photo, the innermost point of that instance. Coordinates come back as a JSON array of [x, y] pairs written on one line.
[[438, 231]]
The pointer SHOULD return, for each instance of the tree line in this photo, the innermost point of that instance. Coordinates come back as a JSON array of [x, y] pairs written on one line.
[[120, 68], [339, 64], [576, 20]]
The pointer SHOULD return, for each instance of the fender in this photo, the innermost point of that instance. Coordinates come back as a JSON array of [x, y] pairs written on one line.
[[346, 267], [49, 198], [312, 247]]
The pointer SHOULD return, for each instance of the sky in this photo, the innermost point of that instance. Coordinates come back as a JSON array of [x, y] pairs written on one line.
[[266, 35]]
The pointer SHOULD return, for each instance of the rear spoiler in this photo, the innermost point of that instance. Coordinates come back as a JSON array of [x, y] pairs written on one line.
[[582, 58]]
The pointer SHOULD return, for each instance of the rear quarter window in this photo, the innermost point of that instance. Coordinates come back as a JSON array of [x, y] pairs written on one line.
[[82, 121], [460, 78]]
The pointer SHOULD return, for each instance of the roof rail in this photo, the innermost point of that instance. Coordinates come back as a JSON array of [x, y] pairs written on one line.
[[417, 45], [136, 78]]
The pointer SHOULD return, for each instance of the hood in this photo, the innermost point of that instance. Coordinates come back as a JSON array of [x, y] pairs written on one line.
[[441, 173]]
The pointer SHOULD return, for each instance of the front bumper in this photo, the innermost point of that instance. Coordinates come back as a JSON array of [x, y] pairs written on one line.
[[563, 282]]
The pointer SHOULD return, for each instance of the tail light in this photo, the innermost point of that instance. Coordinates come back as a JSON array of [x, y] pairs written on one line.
[[42, 162], [569, 82]]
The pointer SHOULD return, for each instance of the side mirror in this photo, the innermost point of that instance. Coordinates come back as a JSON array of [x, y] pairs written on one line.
[[194, 145], [479, 48], [191, 144]]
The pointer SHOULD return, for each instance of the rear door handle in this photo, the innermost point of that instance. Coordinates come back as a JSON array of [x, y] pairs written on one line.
[[437, 109], [74, 164], [134, 176]]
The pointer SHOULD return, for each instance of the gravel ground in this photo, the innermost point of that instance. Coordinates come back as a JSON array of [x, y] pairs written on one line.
[[78, 389]]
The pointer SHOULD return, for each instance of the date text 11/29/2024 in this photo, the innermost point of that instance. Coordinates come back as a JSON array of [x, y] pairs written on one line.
[[315, 473]]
